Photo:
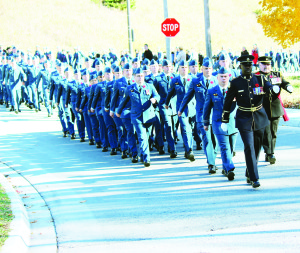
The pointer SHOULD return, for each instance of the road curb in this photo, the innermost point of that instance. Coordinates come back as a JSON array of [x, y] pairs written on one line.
[[19, 237]]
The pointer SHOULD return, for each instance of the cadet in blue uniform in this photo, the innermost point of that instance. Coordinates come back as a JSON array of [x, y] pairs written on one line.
[[251, 118], [32, 73], [214, 102], [16, 79], [178, 88], [198, 88], [142, 96], [110, 124], [118, 93], [87, 101], [279, 60], [2, 86], [44, 78], [5, 77], [193, 68], [122, 135], [83, 105], [98, 110]]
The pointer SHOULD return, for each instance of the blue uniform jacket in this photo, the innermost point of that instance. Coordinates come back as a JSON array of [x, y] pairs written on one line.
[[16, 77], [90, 93], [215, 100], [179, 90], [162, 86], [55, 81], [80, 92], [118, 93], [109, 89], [85, 99], [198, 89], [72, 91], [32, 73], [62, 91], [142, 110], [44, 76], [99, 96]]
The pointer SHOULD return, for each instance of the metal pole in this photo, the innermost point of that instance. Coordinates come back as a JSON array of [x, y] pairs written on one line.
[[168, 39], [129, 27], [207, 29]]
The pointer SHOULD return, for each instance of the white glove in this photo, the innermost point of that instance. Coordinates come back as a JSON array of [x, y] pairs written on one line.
[[276, 89], [290, 88], [224, 127]]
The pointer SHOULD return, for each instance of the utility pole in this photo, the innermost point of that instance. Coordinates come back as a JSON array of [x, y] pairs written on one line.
[[129, 27], [207, 29], [168, 39]]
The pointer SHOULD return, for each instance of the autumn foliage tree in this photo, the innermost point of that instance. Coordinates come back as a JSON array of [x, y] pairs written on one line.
[[281, 20]]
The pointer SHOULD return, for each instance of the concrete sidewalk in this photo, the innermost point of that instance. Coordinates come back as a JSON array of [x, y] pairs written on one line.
[[294, 115]]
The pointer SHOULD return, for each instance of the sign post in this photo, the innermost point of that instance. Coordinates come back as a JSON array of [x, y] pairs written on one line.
[[170, 27]]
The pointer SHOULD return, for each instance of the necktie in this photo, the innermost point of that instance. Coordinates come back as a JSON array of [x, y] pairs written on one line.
[[168, 78], [224, 93], [184, 82], [128, 82], [207, 84]]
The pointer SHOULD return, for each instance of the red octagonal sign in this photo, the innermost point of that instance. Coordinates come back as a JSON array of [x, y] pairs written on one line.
[[170, 27]]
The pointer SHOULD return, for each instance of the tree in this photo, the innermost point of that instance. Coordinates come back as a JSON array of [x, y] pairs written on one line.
[[280, 20], [119, 4]]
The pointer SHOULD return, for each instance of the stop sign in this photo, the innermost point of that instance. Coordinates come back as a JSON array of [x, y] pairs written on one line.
[[170, 27]]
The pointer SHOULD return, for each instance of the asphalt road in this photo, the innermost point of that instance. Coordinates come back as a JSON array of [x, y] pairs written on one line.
[[101, 203]]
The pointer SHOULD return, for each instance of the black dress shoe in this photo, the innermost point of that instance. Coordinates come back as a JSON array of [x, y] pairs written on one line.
[[124, 155], [104, 149], [135, 159], [146, 164], [49, 115], [119, 149], [130, 154], [266, 158], [248, 180], [91, 142], [161, 150], [98, 145], [173, 154], [113, 151], [82, 139], [65, 134], [211, 169], [151, 147], [255, 184], [229, 174], [73, 137], [199, 146], [271, 159], [16, 111], [233, 154], [19, 110], [190, 156], [7, 106], [1, 102]]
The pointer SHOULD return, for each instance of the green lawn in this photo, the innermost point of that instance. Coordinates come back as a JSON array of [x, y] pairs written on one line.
[[6, 216], [292, 100]]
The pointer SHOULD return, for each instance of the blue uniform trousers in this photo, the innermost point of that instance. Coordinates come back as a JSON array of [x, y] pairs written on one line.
[[46, 101], [142, 131], [252, 145], [102, 131], [158, 131], [25, 93], [122, 135], [87, 123], [16, 97], [209, 144], [68, 117], [62, 116], [79, 121], [167, 121], [33, 98], [95, 126], [186, 132], [225, 149], [1, 91], [9, 94], [130, 136], [111, 129]]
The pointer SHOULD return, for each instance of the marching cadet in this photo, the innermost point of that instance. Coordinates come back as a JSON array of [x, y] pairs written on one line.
[[224, 61], [162, 84], [16, 77], [62, 103], [178, 88], [44, 78], [98, 110], [110, 124], [71, 97], [251, 117], [198, 88], [142, 96], [2, 86], [120, 87], [32, 73], [82, 106], [5, 73], [86, 105], [214, 102], [121, 130], [55, 82], [193, 68], [273, 106]]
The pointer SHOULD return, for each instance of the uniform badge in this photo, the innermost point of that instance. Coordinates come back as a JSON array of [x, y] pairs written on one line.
[[198, 85], [215, 94], [258, 91], [176, 83], [131, 90], [147, 92], [275, 80]]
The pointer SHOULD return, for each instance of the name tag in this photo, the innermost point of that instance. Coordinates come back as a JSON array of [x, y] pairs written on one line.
[[240, 90], [258, 91], [276, 80]]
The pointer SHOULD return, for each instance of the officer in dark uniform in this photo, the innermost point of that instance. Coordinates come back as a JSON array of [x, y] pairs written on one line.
[[273, 106], [251, 119]]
